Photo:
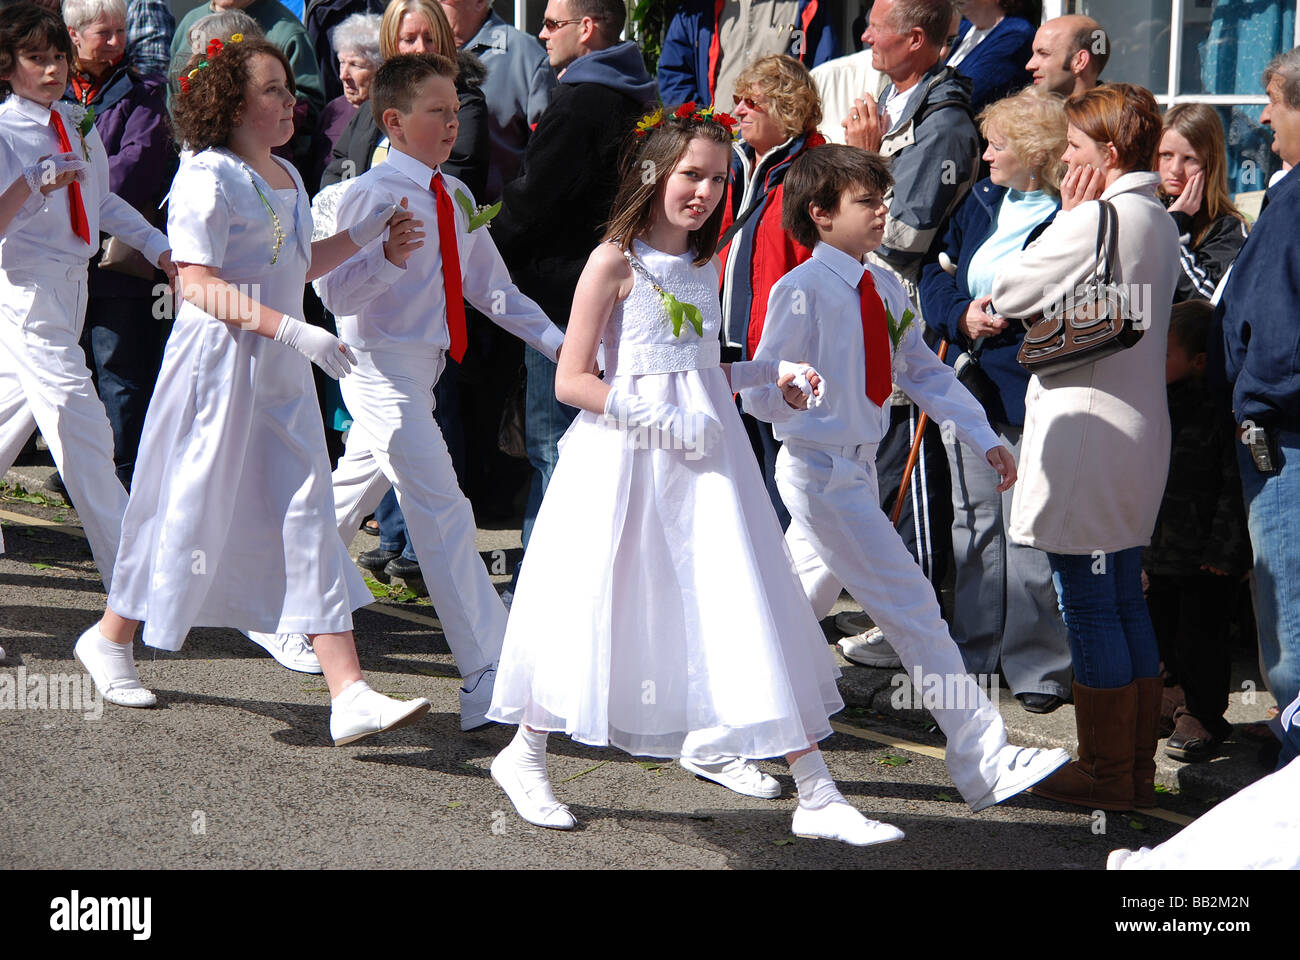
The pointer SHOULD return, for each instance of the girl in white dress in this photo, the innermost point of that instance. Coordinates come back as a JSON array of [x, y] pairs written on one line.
[[657, 608], [231, 517]]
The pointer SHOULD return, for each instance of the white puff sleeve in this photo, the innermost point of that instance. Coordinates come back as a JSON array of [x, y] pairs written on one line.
[[198, 217]]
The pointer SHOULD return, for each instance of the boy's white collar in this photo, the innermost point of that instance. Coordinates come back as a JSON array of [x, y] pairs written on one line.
[[406, 164], [845, 267], [30, 108]]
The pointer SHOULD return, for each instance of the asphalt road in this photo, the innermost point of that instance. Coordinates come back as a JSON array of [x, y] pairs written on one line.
[[235, 767]]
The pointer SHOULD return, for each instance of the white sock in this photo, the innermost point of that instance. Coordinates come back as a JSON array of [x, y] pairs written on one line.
[[117, 662], [814, 783], [468, 680], [528, 750], [349, 694]]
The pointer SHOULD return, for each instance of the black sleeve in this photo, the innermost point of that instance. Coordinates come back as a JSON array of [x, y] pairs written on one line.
[[468, 162], [1203, 266]]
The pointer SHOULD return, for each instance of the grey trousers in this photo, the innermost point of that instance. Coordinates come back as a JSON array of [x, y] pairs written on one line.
[[1004, 604]]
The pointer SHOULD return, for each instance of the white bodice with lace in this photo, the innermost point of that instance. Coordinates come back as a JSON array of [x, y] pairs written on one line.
[[639, 336]]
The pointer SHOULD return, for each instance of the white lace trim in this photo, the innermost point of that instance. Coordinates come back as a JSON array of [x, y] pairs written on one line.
[[632, 359]]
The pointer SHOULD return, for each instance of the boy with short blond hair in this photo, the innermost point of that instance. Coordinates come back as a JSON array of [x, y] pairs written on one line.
[[852, 322]]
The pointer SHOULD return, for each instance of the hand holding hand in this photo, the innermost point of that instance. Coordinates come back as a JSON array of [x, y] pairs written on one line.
[[166, 266], [55, 172], [404, 236], [319, 346], [1001, 460], [373, 225], [801, 384], [976, 321]]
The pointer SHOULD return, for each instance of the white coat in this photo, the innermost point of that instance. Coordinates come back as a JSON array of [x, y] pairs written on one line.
[[1095, 453]]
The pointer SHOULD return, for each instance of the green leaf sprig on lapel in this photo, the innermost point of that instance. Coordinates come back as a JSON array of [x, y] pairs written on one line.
[[898, 328], [479, 215]]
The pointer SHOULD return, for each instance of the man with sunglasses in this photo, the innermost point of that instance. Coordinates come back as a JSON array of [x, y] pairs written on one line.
[[553, 213]]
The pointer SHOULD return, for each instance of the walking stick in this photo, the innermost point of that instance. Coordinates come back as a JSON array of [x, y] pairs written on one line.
[[916, 449]]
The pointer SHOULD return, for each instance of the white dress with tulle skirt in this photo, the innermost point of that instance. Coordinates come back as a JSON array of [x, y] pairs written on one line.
[[658, 609]]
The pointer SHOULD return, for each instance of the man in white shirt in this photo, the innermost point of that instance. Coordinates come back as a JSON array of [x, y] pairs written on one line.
[[855, 325], [398, 304]]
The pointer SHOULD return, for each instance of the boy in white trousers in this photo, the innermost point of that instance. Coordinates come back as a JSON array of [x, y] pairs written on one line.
[[401, 311], [50, 151], [852, 322]]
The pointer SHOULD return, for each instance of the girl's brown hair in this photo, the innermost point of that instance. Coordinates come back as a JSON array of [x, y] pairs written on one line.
[[1122, 114], [1200, 126], [205, 115], [647, 161]]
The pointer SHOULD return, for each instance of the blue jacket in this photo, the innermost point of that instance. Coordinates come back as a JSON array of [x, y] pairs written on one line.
[[996, 67], [1257, 315], [684, 58], [944, 298]]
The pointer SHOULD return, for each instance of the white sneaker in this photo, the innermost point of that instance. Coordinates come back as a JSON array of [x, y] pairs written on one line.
[[541, 808], [292, 650], [870, 649], [842, 821], [474, 703], [1018, 769], [123, 691], [372, 712], [738, 774]]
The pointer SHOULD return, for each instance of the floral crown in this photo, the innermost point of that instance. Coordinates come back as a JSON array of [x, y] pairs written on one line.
[[215, 47], [690, 113]]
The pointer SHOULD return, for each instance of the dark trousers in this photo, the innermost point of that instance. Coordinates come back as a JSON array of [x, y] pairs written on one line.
[[1192, 615], [123, 343]]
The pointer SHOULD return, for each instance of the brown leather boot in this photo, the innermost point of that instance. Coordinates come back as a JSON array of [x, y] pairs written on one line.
[[1150, 694], [1102, 777]]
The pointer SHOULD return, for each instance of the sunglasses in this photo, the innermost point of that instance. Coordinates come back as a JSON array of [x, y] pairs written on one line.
[[749, 102], [553, 25]]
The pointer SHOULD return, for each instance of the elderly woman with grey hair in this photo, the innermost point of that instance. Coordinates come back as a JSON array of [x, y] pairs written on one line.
[[356, 42], [122, 336]]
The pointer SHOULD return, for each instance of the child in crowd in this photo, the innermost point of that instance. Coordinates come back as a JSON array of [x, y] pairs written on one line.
[[400, 307], [56, 203], [656, 609], [853, 324], [230, 521], [1200, 547]]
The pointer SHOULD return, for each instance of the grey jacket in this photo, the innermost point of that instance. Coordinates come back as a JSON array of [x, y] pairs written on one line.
[[934, 157]]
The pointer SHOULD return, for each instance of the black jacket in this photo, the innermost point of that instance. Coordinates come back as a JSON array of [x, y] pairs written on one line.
[[553, 214], [1204, 265], [469, 156]]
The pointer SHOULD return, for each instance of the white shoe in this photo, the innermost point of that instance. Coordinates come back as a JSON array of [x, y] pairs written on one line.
[[1018, 769], [840, 820], [474, 703], [292, 650], [123, 691], [541, 808], [738, 774], [870, 649], [370, 713]]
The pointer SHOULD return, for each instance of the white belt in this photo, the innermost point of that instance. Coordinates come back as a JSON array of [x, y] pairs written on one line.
[[634, 359], [49, 270]]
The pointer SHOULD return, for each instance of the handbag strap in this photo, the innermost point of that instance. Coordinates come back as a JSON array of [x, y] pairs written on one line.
[[1107, 241]]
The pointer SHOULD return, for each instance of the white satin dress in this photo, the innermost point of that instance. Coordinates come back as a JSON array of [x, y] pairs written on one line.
[[231, 516], [657, 609]]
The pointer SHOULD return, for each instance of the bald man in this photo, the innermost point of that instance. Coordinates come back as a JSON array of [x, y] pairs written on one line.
[[1069, 54]]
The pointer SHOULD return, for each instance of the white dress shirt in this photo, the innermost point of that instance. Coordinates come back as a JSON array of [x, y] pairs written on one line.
[[380, 306], [41, 234], [815, 314]]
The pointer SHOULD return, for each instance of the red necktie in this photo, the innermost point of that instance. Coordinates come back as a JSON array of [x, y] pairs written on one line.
[[875, 341], [450, 274], [77, 209]]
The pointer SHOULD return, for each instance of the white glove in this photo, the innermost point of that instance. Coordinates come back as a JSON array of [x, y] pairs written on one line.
[[42, 173], [373, 225], [319, 346], [801, 372], [696, 432]]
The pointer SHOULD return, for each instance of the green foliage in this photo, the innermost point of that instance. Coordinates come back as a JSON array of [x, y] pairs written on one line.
[[647, 24], [679, 312], [477, 215]]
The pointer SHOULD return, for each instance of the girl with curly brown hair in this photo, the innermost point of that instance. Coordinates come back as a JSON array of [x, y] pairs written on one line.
[[231, 518]]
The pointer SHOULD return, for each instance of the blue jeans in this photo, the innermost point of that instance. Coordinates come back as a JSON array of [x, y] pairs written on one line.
[[1273, 517], [1112, 642], [446, 413], [123, 345], [545, 420]]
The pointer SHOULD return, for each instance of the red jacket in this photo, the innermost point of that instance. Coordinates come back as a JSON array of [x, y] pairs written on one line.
[[761, 253]]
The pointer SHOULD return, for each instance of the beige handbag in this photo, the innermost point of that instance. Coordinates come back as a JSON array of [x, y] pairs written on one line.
[[121, 257]]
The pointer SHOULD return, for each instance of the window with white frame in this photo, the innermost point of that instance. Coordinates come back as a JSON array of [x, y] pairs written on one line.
[[1206, 51]]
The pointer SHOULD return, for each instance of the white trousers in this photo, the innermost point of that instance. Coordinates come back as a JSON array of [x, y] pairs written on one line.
[[44, 383], [838, 535], [394, 442]]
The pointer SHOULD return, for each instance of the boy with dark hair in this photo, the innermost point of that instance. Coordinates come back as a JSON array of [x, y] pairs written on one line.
[[1199, 548], [399, 306], [852, 322]]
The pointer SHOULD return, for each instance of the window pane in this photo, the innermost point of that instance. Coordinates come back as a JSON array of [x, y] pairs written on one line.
[[1227, 43], [1251, 161], [1139, 35]]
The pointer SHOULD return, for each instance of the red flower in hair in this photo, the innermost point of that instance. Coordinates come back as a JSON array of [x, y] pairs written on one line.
[[214, 47], [726, 119], [685, 110], [185, 84]]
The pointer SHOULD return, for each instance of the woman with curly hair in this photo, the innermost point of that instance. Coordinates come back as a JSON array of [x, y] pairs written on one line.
[[231, 517]]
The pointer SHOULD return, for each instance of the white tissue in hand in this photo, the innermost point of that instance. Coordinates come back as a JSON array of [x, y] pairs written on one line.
[[801, 372]]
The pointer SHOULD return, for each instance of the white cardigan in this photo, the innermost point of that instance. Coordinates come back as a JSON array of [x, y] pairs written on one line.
[[1095, 452]]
